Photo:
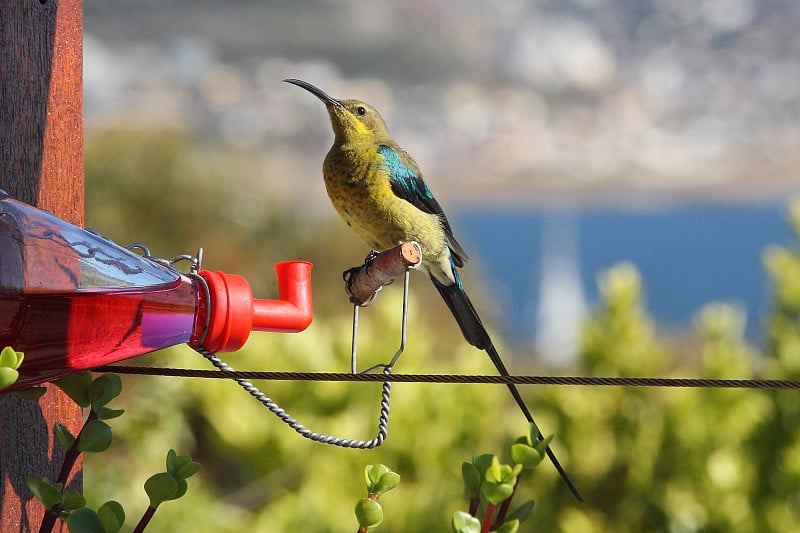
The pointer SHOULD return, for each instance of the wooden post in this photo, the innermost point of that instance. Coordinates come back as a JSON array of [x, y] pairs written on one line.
[[41, 162]]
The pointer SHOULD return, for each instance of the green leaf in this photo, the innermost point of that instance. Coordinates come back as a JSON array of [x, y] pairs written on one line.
[[186, 469], [32, 393], [9, 363], [76, 386], [111, 516], [387, 482], [8, 376], [494, 473], [171, 455], [368, 513], [372, 473], [509, 526], [525, 455], [507, 474], [84, 521], [161, 487], [181, 466], [176, 463], [48, 493], [104, 413], [183, 486], [496, 492], [533, 433], [542, 445], [483, 463], [472, 478], [522, 512], [94, 437], [10, 358], [64, 436], [104, 389], [72, 500], [510, 474], [465, 523]]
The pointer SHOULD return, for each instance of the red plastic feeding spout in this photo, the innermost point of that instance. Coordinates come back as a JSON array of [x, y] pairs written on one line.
[[232, 312]]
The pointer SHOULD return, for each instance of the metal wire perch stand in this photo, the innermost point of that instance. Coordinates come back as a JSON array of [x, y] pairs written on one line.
[[271, 405]]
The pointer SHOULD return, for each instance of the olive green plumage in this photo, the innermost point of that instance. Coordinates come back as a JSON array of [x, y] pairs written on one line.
[[379, 191]]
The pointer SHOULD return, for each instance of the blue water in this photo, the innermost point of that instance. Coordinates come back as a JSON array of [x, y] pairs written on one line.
[[687, 256]]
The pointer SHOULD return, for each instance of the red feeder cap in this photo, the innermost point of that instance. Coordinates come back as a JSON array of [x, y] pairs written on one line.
[[233, 312]]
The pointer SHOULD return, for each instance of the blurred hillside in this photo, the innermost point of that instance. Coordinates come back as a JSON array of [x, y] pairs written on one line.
[[582, 100]]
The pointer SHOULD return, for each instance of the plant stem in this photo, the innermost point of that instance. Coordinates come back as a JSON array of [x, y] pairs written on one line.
[[474, 503], [49, 519], [146, 517], [70, 457], [72, 454], [501, 516], [487, 518]]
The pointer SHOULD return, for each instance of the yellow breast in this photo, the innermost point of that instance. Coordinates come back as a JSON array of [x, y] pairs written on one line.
[[361, 192]]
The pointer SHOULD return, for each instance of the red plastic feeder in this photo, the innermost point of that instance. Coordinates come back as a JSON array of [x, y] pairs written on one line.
[[71, 300]]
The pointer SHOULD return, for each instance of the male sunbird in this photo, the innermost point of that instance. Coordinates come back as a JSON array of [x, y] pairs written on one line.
[[378, 189]]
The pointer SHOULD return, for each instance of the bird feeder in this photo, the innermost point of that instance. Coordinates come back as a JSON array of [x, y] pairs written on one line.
[[72, 300]]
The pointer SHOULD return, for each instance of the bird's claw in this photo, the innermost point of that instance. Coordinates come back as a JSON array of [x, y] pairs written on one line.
[[347, 274], [371, 257]]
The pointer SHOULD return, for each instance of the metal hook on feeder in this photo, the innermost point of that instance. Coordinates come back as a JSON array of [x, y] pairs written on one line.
[[363, 284]]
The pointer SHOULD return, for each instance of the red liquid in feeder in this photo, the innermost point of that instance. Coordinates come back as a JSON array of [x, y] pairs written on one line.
[[83, 330], [71, 300]]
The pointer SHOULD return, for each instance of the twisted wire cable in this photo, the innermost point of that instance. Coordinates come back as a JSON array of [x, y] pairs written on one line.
[[230, 373], [583, 381]]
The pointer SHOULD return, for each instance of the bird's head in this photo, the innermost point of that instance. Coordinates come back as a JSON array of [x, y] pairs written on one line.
[[352, 120]]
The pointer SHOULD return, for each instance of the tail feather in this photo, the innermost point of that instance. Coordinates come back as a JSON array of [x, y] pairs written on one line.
[[474, 331]]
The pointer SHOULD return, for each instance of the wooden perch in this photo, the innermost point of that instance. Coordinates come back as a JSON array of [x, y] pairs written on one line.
[[363, 283]]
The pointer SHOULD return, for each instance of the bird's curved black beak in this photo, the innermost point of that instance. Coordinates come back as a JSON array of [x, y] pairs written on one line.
[[316, 91]]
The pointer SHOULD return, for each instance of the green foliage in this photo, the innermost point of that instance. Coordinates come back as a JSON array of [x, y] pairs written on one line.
[[499, 481], [85, 520], [70, 506], [104, 389], [510, 526], [9, 363], [95, 436], [111, 516], [783, 324], [45, 491], [369, 513], [465, 523], [379, 480], [491, 485], [528, 451], [64, 436], [77, 386], [472, 478], [171, 484]]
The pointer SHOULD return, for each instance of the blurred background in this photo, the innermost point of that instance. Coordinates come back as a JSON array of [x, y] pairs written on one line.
[[618, 170]]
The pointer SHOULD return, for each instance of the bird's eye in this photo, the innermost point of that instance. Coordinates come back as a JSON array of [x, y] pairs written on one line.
[[361, 111]]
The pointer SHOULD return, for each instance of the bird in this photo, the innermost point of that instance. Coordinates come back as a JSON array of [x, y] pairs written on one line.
[[379, 191]]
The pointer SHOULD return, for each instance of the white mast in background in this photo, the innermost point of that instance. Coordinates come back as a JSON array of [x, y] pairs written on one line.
[[562, 303]]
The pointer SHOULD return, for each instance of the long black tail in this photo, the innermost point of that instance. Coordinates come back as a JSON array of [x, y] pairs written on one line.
[[475, 333]]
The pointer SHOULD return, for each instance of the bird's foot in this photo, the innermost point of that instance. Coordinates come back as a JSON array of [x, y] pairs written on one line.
[[371, 257], [350, 272]]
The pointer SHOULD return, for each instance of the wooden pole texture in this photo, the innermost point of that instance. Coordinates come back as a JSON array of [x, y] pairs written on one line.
[[41, 163]]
